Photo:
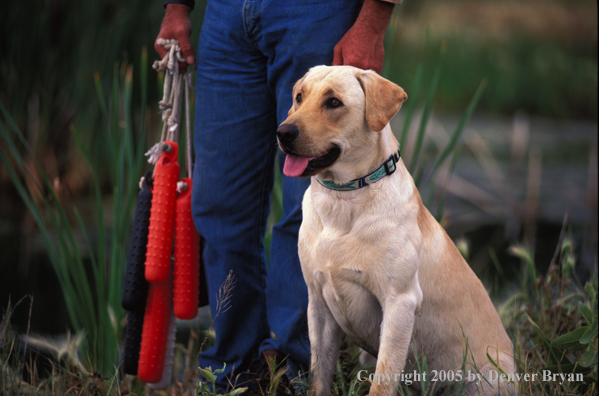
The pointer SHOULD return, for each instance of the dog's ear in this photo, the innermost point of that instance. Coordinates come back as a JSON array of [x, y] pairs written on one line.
[[383, 99], [295, 89]]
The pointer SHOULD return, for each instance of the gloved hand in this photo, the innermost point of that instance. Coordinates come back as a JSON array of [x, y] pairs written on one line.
[[176, 25], [362, 45]]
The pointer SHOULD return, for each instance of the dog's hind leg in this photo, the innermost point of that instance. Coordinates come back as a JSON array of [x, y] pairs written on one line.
[[493, 383], [325, 339]]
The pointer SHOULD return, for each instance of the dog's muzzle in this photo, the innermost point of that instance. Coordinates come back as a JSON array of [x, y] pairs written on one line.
[[298, 165]]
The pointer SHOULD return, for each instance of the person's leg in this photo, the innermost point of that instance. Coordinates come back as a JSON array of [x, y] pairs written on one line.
[[233, 176], [295, 37]]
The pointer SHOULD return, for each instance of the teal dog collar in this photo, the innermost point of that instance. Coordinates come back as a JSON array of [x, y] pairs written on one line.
[[386, 169]]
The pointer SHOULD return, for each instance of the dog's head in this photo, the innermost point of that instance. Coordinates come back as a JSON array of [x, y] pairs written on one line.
[[335, 110]]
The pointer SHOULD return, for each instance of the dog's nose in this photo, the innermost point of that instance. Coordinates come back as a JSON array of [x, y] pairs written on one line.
[[287, 133]]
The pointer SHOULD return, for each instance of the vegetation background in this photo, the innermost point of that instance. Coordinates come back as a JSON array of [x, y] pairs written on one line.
[[521, 178]]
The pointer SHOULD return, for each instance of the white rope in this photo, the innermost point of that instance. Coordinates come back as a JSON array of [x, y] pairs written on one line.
[[188, 88], [170, 105]]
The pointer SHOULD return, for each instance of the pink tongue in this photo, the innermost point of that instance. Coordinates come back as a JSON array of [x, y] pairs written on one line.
[[295, 165]]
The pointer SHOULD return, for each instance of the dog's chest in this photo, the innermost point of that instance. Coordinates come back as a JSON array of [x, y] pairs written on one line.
[[343, 242], [337, 274], [352, 239], [353, 256], [343, 233]]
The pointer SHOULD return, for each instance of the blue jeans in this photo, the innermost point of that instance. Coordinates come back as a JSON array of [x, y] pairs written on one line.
[[251, 53]]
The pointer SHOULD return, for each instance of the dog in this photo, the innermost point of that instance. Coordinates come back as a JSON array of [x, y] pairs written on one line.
[[378, 266]]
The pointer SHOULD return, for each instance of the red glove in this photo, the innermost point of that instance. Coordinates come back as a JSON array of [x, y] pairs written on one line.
[[176, 25], [362, 45]]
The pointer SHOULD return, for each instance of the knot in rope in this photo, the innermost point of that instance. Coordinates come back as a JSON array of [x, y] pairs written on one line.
[[174, 52], [175, 81]]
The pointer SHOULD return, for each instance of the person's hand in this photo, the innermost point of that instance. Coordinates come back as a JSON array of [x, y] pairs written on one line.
[[362, 45], [176, 25]]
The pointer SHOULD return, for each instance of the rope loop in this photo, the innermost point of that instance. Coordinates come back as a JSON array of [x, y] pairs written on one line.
[[175, 82]]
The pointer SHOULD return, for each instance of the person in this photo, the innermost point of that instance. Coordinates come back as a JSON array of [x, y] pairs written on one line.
[[250, 54]]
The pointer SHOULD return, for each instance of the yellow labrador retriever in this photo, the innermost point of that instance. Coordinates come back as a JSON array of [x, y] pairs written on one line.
[[378, 266]]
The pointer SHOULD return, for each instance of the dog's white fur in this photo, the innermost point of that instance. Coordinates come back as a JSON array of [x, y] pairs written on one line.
[[378, 266]]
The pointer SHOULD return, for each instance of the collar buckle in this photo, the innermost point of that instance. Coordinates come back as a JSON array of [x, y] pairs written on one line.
[[394, 158]]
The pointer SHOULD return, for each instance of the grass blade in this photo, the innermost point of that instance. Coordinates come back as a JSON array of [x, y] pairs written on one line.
[[455, 136], [427, 110]]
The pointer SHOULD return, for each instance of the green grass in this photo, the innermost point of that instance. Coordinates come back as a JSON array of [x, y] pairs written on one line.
[[551, 318], [554, 321], [90, 273]]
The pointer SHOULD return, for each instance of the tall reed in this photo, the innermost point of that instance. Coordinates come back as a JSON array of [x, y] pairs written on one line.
[[90, 274]]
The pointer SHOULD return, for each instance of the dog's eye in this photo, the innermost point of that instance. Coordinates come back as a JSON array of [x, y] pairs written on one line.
[[333, 103], [298, 98]]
